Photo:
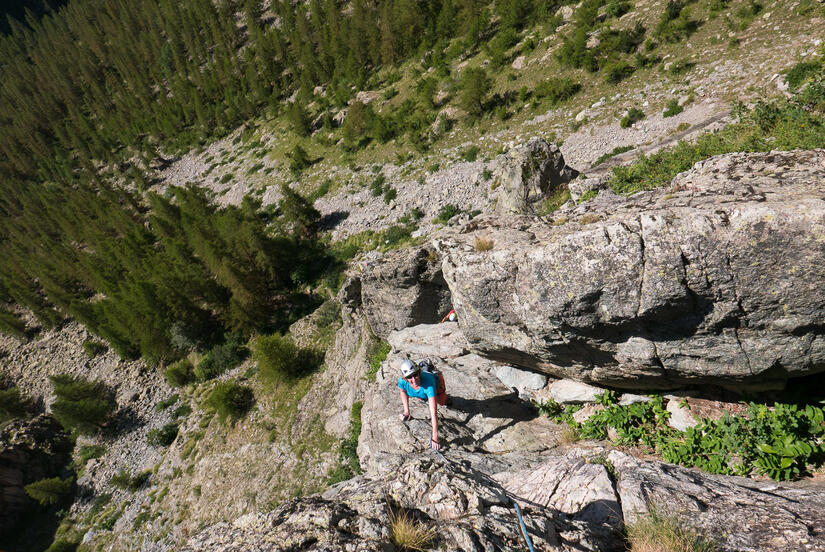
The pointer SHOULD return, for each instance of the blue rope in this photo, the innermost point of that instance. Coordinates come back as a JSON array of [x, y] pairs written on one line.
[[518, 510], [523, 528]]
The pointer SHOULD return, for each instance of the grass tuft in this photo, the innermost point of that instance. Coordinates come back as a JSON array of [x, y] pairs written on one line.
[[656, 533], [409, 534]]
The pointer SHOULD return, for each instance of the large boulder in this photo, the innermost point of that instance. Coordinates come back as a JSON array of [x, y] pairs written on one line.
[[525, 175], [404, 289], [715, 280], [30, 450]]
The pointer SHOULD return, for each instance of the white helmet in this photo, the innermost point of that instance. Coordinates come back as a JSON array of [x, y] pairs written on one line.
[[452, 317], [408, 368]]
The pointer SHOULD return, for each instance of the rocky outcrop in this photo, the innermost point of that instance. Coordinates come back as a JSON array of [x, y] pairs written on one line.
[[525, 175], [30, 450], [404, 289], [715, 280]]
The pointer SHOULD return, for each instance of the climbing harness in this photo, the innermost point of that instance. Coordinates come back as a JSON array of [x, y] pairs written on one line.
[[524, 533]]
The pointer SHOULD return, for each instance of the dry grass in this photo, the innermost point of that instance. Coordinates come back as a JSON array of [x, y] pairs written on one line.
[[483, 244], [569, 436], [589, 218], [655, 533], [409, 534]]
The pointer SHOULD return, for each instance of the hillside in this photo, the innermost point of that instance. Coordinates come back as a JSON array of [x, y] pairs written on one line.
[[221, 237]]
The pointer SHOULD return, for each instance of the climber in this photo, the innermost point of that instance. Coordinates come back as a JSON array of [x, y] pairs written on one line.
[[426, 385], [451, 316]]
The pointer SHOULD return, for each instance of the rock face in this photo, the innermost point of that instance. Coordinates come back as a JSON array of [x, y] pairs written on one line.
[[496, 450], [404, 289], [526, 174], [30, 450], [715, 280]]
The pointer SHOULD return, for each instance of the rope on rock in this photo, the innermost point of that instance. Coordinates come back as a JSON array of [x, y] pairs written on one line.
[[524, 533]]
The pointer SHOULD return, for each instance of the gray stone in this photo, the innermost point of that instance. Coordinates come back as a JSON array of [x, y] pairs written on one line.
[[680, 416], [405, 288], [714, 280], [525, 175], [522, 380], [629, 398]]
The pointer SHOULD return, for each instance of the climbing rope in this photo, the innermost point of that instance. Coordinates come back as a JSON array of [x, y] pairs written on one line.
[[518, 510]]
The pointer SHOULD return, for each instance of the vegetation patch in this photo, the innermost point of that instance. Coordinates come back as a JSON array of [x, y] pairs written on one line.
[[783, 442], [13, 404], [230, 400], [50, 491], [376, 354], [654, 532], [164, 436], [349, 465], [769, 125], [80, 405]]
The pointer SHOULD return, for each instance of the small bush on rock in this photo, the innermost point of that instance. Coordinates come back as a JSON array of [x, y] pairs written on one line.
[[653, 532], [231, 400], [633, 116], [220, 358], [164, 436], [672, 109], [93, 348]]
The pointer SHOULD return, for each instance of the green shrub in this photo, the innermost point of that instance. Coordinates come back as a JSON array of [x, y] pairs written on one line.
[[672, 109], [226, 178], [123, 480], [12, 404], [180, 373], [618, 8], [781, 442], [88, 452], [633, 116], [93, 348], [471, 153], [446, 213], [167, 402], [298, 159], [803, 71], [164, 436], [11, 325], [220, 358], [377, 185], [617, 71], [557, 90], [390, 194], [230, 400], [675, 23], [49, 491], [277, 356], [81, 406]]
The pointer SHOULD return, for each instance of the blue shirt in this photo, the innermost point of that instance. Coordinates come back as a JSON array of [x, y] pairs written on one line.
[[425, 390]]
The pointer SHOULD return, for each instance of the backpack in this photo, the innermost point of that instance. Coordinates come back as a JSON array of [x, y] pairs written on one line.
[[426, 365]]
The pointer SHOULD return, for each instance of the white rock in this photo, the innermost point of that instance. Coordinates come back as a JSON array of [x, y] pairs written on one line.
[[680, 417], [629, 398], [569, 391], [518, 63]]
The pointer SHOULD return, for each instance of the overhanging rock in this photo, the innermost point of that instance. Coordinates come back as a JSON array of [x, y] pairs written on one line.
[[715, 280]]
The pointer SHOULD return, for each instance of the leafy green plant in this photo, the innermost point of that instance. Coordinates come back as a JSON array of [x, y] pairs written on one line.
[[377, 353], [230, 400], [446, 213], [616, 151], [802, 72], [672, 108], [88, 452], [471, 153], [124, 480], [280, 359], [50, 491]]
